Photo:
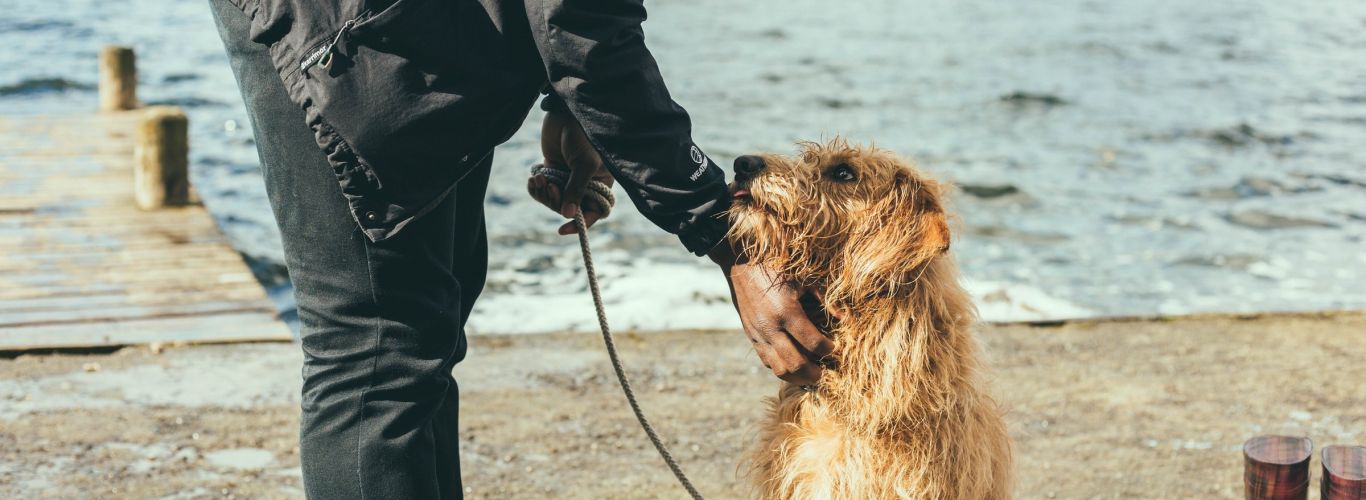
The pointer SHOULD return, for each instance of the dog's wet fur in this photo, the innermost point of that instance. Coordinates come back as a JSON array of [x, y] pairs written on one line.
[[905, 412]]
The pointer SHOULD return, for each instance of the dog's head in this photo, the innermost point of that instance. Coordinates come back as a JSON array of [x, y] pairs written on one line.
[[859, 220]]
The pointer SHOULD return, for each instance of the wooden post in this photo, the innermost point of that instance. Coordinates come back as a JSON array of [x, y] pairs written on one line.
[[118, 79], [161, 176]]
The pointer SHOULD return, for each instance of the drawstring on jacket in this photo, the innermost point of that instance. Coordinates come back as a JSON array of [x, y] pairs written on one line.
[[340, 44]]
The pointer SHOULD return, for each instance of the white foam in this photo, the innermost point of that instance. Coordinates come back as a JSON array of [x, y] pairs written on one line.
[[649, 297], [638, 296], [1001, 301]]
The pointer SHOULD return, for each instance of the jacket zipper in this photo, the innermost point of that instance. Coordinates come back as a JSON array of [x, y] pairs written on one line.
[[323, 54]]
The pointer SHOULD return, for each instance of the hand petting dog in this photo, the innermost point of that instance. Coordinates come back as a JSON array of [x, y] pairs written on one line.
[[772, 315], [786, 340]]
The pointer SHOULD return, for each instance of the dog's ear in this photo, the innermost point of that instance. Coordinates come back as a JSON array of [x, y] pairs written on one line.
[[933, 221], [907, 230]]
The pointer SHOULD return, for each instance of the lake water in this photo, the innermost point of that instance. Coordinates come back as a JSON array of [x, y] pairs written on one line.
[[1115, 158]]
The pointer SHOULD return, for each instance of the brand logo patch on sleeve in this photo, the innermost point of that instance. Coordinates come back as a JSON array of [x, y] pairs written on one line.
[[701, 161]]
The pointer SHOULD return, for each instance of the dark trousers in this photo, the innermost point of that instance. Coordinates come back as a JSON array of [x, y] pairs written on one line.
[[382, 322]]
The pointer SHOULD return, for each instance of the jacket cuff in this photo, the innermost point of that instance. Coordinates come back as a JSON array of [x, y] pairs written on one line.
[[707, 232]]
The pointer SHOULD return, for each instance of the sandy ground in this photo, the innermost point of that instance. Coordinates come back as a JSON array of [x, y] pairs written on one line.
[[1117, 409]]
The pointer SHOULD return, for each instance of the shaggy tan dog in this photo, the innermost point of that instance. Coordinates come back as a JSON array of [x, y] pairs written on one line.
[[904, 413]]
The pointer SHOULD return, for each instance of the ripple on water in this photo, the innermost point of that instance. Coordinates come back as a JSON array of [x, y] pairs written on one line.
[[34, 86], [1261, 219], [1251, 187]]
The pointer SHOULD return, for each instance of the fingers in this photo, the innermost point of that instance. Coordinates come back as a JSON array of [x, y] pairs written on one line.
[[790, 364], [778, 351], [573, 190], [818, 347], [584, 163], [543, 191]]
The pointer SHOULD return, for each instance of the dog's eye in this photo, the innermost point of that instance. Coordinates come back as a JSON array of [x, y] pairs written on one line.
[[842, 173]]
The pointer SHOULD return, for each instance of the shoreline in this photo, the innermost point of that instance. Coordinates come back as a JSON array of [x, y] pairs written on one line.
[[1109, 409]]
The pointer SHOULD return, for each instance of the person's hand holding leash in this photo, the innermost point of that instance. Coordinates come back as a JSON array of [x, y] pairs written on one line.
[[568, 152], [773, 318]]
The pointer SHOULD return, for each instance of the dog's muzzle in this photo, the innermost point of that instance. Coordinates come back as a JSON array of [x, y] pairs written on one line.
[[747, 166]]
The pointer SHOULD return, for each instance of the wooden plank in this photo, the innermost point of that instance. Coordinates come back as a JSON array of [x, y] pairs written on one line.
[[107, 266], [86, 314], [123, 251], [151, 289], [234, 327], [243, 293], [88, 243], [210, 272], [17, 289], [81, 265]]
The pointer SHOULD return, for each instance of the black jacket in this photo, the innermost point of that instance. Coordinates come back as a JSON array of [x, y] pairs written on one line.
[[404, 96]]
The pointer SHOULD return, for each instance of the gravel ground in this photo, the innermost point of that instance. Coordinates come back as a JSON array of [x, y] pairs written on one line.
[[1107, 409]]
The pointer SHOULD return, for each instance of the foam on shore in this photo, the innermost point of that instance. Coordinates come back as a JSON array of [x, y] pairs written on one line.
[[643, 295]]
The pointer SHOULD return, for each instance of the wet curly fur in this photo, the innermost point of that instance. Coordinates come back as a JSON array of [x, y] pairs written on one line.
[[905, 414]]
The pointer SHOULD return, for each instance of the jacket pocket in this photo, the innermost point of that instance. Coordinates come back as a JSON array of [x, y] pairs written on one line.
[[384, 100]]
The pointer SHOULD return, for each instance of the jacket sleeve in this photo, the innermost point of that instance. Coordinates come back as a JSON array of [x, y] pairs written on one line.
[[599, 69]]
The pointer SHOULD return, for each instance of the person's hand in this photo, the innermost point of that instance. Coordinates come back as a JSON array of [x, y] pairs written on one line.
[[772, 315], [565, 146]]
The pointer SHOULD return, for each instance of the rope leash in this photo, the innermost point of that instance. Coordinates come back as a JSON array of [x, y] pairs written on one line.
[[596, 191], [601, 194], [616, 361]]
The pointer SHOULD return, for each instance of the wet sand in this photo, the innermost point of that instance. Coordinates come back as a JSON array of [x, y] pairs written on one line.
[[1109, 409]]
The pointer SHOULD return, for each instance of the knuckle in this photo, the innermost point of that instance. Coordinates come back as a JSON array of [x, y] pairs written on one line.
[[785, 369], [756, 336]]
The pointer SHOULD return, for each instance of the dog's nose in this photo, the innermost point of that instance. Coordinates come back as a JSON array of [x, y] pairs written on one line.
[[748, 165]]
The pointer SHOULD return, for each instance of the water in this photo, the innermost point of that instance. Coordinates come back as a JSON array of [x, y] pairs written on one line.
[[1116, 158]]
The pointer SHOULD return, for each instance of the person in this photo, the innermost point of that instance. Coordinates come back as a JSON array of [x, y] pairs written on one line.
[[375, 123]]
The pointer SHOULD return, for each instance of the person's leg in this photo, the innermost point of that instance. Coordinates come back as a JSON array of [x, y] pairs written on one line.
[[381, 322], [470, 262]]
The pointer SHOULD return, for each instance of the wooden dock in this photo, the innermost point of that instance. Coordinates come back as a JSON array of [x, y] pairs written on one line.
[[81, 265]]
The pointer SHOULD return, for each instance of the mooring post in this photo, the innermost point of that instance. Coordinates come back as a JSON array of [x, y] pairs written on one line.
[[118, 79], [161, 159]]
